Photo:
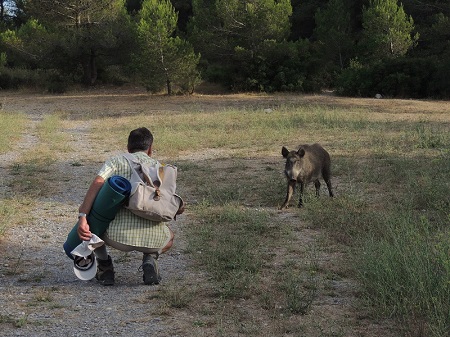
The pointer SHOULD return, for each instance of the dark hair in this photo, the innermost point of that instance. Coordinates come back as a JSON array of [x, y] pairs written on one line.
[[140, 140]]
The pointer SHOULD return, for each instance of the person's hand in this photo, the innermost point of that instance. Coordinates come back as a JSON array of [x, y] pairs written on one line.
[[83, 230]]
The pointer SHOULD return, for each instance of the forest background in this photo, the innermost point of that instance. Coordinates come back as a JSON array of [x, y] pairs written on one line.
[[357, 48]]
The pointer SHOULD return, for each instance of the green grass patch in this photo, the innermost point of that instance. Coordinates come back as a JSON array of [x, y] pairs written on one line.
[[426, 136], [14, 211], [229, 237], [241, 128], [391, 180], [399, 239], [176, 296], [299, 285], [8, 214], [30, 177], [51, 134], [31, 173], [406, 273], [12, 125]]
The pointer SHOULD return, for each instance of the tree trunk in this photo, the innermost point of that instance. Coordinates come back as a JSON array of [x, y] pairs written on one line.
[[166, 72], [2, 11], [90, 69], [169, 87]]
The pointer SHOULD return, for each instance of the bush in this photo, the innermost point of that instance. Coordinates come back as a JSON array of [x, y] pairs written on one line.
[[113, 74], [404, 77], [439, 86], [14, 78], [354, 80], [7, 80], [276, 66], [56, 82], [401, 77]]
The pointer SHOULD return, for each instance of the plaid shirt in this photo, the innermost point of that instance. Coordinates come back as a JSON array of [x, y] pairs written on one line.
[[128, 228]]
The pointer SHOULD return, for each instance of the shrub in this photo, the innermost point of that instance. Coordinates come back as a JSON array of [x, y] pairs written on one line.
[[439, 86], [401, 77], [14, 78], [56, 82], [354, 80]]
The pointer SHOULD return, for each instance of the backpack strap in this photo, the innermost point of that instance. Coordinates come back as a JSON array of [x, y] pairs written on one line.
[[135, 165], [161, 173], [132, 162]]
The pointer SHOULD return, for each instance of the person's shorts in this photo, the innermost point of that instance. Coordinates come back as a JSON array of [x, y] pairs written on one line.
[[127, 248]]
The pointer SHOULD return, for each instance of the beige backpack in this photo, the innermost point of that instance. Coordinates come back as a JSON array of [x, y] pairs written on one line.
[[153, 190]]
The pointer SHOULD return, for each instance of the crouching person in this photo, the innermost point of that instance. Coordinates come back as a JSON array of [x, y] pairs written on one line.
[[127, 232]]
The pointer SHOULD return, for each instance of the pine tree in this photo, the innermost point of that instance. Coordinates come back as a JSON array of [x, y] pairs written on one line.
[[79, 34], [387, 30], [333, 32], [164, 60], [232, 36]]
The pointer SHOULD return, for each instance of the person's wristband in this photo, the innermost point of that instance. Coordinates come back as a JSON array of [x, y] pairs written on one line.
[[82, 215]]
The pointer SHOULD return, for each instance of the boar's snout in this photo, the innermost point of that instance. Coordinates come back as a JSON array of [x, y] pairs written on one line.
[[290, 176]]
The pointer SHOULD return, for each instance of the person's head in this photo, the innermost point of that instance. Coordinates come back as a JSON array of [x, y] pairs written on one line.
[[140, 139]]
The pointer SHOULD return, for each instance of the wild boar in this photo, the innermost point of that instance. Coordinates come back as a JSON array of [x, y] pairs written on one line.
[[310, 163]]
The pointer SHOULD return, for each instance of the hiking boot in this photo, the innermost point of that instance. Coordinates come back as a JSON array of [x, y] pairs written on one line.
[[151, 270], [105, 272]]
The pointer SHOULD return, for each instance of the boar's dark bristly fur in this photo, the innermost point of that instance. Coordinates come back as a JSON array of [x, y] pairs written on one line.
[[308, 164]]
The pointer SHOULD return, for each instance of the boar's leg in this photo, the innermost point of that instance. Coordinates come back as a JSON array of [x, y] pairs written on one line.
[[300, 201], [289, 193], [330, 189], [317, 185], [326, 177]]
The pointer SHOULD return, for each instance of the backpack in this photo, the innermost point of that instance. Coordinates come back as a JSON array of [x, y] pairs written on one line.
[[153, 190]]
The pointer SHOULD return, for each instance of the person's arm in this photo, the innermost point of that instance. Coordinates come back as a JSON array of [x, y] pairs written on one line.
[[83, 227]]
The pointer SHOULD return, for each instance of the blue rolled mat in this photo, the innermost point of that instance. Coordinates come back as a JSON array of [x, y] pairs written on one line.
[[120, 185], [104, 209]]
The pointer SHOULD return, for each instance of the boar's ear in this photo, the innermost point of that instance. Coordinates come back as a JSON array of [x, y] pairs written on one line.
[[284, 152], [301, 152]]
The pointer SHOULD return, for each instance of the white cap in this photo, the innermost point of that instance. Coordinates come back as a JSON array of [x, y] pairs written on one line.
[[85, 268], [85, 263]]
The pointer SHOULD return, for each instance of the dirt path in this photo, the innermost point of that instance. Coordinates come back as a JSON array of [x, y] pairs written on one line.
[[39, 294]]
